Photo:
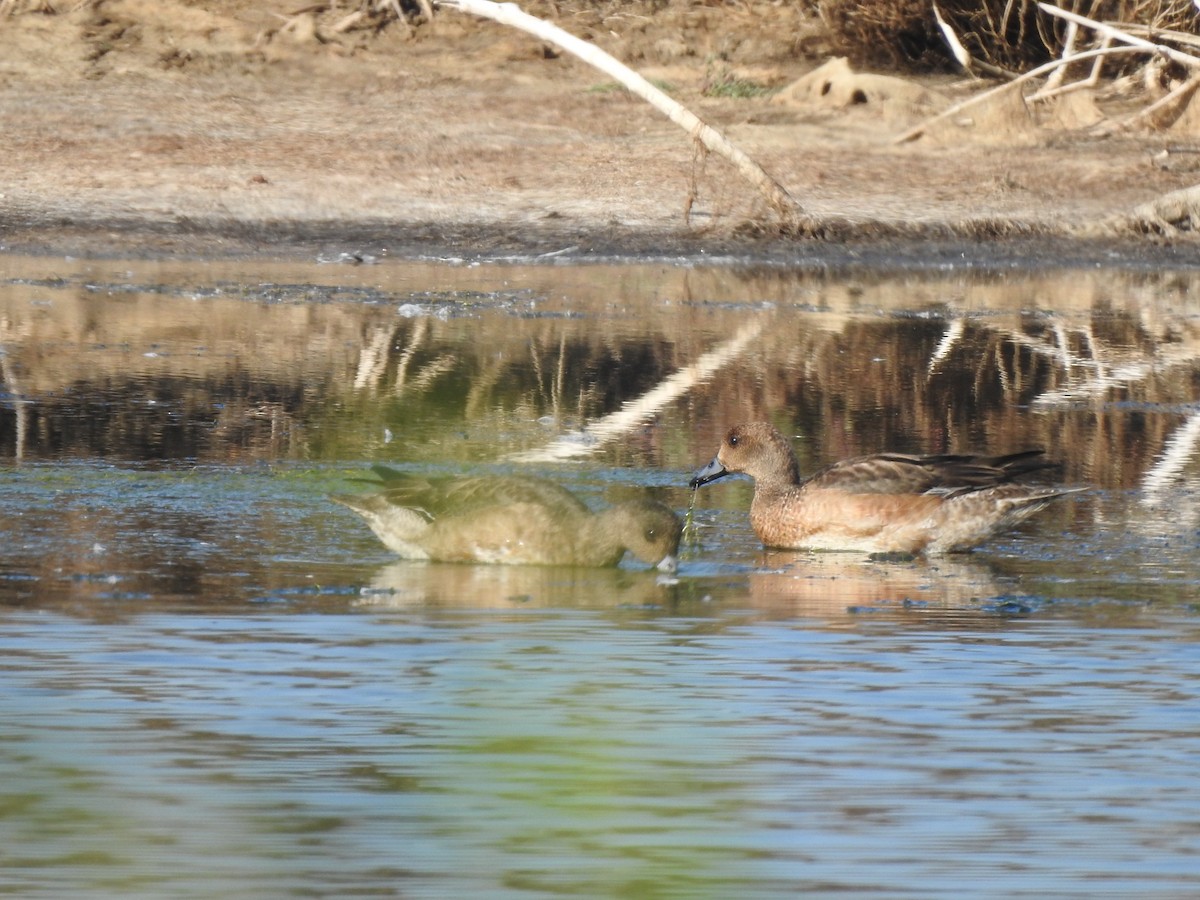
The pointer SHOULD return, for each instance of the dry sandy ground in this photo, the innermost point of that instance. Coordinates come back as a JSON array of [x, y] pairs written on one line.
[[160, 126]]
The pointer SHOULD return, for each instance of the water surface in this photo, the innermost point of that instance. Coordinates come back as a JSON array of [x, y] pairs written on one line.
[[215, 682]]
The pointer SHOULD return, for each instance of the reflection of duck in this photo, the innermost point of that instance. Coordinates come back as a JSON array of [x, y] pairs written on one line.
[[834, 584], [511, 520], [408, 584], [888, 503]]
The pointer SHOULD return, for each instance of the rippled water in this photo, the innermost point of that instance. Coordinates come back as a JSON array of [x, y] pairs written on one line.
[[215, 682], [629, 752]]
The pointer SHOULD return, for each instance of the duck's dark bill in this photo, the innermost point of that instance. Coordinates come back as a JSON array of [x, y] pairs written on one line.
[[711, 472]]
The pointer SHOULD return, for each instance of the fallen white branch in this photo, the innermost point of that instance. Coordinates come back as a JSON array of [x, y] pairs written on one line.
[[917, 130], [1163, 35], [1103, 28], [961, 55], [511, 14], [1114, 41], [1054, 86], [1175, 100], [1054, 82]]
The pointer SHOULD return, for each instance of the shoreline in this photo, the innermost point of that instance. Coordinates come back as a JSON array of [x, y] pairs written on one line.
[[349, 242], [460, 141]]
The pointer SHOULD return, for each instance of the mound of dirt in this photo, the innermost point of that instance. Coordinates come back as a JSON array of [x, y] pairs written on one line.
[[164, 126]]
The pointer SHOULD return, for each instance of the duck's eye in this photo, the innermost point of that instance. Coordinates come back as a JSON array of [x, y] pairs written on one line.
[[733, 440], [650, 534]]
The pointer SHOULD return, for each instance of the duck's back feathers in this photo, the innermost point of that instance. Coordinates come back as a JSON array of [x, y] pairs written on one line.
[[464, 494], [513, 520], [899, 473]]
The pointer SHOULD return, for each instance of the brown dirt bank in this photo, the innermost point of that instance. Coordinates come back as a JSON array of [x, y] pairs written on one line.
[[154, 127]]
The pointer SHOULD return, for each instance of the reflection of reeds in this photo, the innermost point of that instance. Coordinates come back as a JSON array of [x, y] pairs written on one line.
[[1132, 366], [20, 403], [373, 359], [638, 409], [848, 364], [265, 430], [1177, 451]]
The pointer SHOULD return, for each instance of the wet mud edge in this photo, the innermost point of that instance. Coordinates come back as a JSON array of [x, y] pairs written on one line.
[[827, 245]]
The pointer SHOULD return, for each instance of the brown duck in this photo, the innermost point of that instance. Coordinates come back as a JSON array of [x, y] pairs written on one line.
[[511, 520], [887, 503]]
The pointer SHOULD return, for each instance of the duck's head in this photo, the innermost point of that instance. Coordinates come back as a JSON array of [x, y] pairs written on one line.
[[651, 532], [756, 449]]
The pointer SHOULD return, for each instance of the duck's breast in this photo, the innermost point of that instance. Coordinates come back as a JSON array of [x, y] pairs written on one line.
[[834, 520]]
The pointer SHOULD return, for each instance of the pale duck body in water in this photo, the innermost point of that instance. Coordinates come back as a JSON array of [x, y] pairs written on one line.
[[886, 503], [511, 520]]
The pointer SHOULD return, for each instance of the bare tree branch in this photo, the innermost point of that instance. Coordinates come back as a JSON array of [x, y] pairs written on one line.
[[510, 14]]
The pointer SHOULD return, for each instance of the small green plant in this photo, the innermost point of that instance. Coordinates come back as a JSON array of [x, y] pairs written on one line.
[[724, 83]]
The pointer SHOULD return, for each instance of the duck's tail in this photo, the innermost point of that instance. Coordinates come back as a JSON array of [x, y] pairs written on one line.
[[1022, 501], [972, 517]]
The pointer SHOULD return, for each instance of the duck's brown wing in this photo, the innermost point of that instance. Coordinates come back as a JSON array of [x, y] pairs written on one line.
[[465, 494], [1015, 465], [898, 473], [884, 473]]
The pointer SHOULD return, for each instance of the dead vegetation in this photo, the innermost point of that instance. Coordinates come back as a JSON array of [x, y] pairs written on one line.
[[392, 111], [1148, 48], [1002, 35]]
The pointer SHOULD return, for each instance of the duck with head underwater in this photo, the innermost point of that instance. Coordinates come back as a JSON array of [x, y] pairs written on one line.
[[511, 520]]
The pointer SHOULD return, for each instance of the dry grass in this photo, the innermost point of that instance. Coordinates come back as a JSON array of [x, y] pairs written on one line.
[[1009, 34]]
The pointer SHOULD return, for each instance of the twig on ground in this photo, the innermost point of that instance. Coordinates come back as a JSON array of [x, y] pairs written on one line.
[[1175, 100], [917, 130], [1104, 29], [774, 193]]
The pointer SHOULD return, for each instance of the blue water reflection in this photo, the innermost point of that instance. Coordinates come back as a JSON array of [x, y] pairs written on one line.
[[546, 752]]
